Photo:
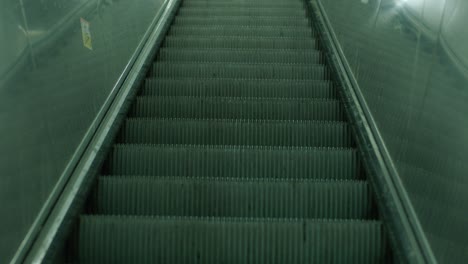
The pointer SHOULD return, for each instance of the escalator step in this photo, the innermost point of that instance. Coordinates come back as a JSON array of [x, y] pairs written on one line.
[[245, 1], [236, 149], [226, 4], [234, 162], [239, 88], [117, 239], [215, 30], [241, 21], [227, 197], [241, 71], [239, 56], [236, 132], [237, 108], [242, 11], [238, 43]]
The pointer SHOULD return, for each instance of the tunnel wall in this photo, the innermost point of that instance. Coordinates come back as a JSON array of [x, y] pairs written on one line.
[[410, 60], [52, 87]]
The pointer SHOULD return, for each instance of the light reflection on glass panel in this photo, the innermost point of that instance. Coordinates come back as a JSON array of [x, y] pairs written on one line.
[[51, 89], [410, 59]]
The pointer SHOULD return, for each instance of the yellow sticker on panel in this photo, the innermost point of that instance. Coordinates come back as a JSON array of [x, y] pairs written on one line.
[[86, 32]]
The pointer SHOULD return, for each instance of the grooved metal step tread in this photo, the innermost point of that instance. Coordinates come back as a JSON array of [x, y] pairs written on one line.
[[237, 108], [239, 88], [216, 30], [258, 4], [183, 196], [239, 56], [236, 132], [238, 42], [236, 70], [245, 1], [209, 4], [241, 11], [241, 21], [116, 239], [234, 162]]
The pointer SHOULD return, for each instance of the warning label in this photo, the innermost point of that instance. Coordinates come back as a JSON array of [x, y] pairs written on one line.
[[86, 32]]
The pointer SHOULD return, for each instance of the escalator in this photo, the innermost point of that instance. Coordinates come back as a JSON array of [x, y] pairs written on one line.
[[237, 149]]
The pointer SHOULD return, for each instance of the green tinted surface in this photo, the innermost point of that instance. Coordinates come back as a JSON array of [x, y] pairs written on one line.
[[236, 150], [53, 92], [411, 61]]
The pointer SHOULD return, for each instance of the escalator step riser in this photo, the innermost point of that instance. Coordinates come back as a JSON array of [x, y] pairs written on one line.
[[234, 162], [177, 196], [239, 56], [235, 132], [239, 88], [271, 32], [238, 43], [266, 2], [113, 239], [241, 21], [241, 71], [225, 4], [242, 11], [235, 108]]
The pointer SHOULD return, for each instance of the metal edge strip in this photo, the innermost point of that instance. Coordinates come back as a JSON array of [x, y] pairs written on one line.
[[70, 190], [407, 236]]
